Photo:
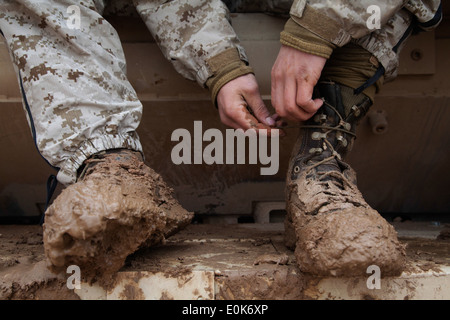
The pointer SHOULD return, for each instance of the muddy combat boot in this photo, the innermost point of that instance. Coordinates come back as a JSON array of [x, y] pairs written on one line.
[[334, 231], [117, 206]]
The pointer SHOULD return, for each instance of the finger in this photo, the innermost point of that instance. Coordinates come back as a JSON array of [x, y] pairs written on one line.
[[277, 89], [260, 128], [237, 116], [275, 117], [259, 108], [249, 123], [293, 110], [279, 122], [304, 98]]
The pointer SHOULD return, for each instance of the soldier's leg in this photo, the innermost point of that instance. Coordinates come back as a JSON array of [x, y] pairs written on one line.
[[83, 113], [73, 79], [333, 229]]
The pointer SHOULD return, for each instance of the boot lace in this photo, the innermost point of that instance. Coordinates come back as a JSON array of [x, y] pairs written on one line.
[[325, 177]]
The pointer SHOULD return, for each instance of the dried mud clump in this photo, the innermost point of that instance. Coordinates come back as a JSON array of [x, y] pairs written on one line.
[[347, 242], [117, 208]]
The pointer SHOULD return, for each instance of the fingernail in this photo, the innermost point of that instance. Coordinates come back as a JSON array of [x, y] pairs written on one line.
[[270, 121]]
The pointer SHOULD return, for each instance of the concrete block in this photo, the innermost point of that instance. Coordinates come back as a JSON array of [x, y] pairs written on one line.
[[263, 209], [415, 285], [141, 285], [90, 292], [241, 263]]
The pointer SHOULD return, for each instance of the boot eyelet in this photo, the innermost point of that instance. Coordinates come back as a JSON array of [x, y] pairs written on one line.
[[356, 111], [318, 135], [345, 125], [296, 169], [348, 126], [320, 118]]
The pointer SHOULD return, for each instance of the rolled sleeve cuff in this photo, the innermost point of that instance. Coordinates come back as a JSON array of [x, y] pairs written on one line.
[[319, 24], [300, 38], [225, 66]]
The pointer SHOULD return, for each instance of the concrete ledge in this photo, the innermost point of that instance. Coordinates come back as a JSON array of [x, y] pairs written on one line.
[[141, 285], [249, 261], [416, 285]]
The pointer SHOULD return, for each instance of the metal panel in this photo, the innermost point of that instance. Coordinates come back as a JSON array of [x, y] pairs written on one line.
[[403, 170]]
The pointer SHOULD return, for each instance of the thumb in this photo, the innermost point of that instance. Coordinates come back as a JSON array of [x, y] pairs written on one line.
[[259, 108]]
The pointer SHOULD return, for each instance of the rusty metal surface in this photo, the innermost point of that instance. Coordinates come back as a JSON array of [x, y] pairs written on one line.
[[403, 170]]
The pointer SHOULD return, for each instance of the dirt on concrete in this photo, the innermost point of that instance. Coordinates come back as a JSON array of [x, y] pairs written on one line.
[[23, 268], [230, 250]]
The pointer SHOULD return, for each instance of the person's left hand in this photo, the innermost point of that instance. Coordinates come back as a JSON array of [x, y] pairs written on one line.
[[236, 98], [294, 76]]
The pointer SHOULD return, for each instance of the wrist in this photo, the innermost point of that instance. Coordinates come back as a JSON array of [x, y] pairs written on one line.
[[226, 66]]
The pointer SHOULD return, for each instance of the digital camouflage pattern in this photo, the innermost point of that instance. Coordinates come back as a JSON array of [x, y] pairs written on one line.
[[346, 21], [190, 32], [76, 94]]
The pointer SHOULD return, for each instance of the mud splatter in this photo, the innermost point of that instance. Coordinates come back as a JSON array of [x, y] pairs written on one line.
[[117, 208], [336, 232]]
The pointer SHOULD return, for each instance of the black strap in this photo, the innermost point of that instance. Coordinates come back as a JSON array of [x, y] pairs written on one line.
[[52, 183], [380, 72]]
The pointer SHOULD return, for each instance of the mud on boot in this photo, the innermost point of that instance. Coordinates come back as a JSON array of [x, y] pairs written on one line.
[[117, 205], [333, 229]]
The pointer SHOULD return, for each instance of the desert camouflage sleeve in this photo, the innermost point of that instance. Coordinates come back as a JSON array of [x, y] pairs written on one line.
[[318, 27], [345, 20], [197, 38]]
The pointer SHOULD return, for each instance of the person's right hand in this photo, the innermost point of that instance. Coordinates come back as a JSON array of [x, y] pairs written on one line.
[[294, 76], [240, 95]]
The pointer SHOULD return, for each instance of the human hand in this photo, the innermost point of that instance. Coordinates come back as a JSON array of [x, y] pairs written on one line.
[[294, 76], [233, 101]]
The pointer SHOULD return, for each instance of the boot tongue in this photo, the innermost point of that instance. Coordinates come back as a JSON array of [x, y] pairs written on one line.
[[324, 164], [328, 166]]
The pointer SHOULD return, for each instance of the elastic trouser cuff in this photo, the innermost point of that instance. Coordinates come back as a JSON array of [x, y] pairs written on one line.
[[69, 168], [354, 66]]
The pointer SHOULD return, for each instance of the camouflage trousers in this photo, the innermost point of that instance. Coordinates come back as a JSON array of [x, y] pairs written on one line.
[[76, 94], [75, 90]]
